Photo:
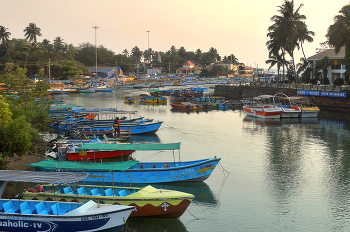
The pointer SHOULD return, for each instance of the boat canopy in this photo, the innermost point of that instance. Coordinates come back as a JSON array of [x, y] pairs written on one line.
[[42, 177], [129, 147], [116, 166], [64, 106], [102, 111]]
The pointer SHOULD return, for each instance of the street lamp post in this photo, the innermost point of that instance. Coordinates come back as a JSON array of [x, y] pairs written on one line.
[[96, 27]]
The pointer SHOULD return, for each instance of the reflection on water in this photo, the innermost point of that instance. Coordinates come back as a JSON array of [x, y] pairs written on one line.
[[147, 138], [154, 225], [201, 191]]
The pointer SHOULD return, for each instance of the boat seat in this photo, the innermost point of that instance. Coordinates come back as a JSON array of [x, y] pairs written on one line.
[[123, 193], [95, 192], [80, 191], [9, 207], [57, 209], [109, 192], [67, 190], [42, 209], [25, 208]]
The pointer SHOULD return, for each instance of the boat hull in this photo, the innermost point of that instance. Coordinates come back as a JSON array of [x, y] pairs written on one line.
[[261, 112], [160, 203], [198, 170], [59, 223], [141, 128], [91, 155]]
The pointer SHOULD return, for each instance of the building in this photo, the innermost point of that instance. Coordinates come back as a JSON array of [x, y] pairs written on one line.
[[106, 72], [188, 68], [337, 63]]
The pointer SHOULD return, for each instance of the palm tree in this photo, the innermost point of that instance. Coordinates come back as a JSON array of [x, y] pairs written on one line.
[[126, 52], [338, 35], [4, 34], [303, 68], [275, 60], [4, 37], [289, 29], [31, 33], [58, 45]]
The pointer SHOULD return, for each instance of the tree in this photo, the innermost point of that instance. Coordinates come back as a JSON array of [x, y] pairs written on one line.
[[59, 46], [198, 56], [288, 31], [136, 54], [338, 35], [125, 63], [31, 32], [212, 54], [4, 37], [126, 52], [275, 60], [303, 69]]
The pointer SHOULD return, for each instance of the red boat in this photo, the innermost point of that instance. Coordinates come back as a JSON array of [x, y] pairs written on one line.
[[96, 154]]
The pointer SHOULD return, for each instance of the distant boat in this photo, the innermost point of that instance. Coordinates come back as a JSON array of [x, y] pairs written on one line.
[[104, 89]]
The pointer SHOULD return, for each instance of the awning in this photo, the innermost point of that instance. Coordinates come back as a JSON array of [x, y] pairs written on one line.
[[41, 177], [69, 165], [129, 147]]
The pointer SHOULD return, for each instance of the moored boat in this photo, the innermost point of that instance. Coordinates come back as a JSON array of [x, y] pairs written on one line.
[[148, 201], [265, 109], [36, 215], [134, 171]]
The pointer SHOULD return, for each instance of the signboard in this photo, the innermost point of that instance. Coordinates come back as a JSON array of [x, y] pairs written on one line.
[[321, 93]]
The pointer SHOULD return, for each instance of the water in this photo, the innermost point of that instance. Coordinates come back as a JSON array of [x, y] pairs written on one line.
[[289, 175]]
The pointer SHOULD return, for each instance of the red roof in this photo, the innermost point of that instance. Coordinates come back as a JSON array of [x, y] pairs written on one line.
[[188, 64]]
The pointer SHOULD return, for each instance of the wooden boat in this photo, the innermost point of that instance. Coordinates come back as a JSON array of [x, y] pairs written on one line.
[[148, 201], [140, 127], [103, 89], [129, 100], [134, 171], [35, 215]]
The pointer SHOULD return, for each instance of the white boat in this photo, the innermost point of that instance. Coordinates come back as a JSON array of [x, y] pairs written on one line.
[[51, 216], [308, 110], [265, 109], [289, 110]]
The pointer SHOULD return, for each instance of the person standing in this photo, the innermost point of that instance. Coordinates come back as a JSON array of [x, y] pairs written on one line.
[[116, 126]]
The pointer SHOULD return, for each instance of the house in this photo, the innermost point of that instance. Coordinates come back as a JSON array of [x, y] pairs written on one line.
[[337, 63], [107, 72], [188, 68]]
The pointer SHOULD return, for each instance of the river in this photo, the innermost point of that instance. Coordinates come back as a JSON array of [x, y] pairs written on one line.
[[281, 175]]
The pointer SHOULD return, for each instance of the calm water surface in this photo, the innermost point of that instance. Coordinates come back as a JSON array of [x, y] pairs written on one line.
[[288, 175]]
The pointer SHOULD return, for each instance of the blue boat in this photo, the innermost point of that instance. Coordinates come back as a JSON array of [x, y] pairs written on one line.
[[34, 215], [139, 127]]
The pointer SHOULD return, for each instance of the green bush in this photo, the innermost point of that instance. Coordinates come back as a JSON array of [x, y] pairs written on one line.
[[338, 81]]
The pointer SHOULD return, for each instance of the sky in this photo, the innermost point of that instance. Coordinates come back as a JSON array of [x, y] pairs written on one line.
[[231, 26]]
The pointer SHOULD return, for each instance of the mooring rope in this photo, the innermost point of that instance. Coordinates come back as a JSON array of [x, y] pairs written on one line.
[[192, 215], [126, 224], [222, 169], [175, 129]]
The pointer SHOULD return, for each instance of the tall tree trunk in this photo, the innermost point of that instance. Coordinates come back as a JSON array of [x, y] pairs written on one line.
[[295, 74]]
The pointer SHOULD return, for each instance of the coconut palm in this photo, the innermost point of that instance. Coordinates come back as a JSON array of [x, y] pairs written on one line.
[[4, 34], [59, 46], [303, 68], [289, 30], [275, 60], [31, 32], [338, 35], [4, 37]]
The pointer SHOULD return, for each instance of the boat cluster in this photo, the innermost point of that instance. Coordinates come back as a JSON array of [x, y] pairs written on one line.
[[280, 106], [81, 184]]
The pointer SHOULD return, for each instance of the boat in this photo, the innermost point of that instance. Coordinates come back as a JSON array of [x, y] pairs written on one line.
[[134, 171], [103, 89], [140, 127], [51, 216], [148, 201], [87, 90], [264, 109], [308, 109], [289, 110], [129, 99]]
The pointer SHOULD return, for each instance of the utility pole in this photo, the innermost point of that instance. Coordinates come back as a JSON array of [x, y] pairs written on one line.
[[49, 71], [96, 27]]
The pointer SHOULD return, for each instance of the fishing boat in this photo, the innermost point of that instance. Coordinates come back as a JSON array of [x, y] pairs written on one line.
[[148, 201], [103, 89], [51, 216], [129, 99], [135, 171], [264, 109], [140, 127]]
